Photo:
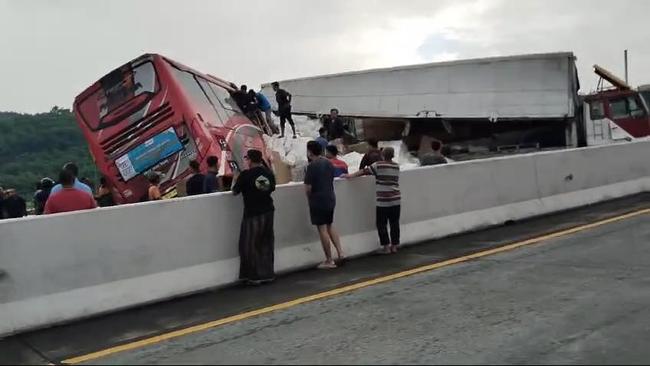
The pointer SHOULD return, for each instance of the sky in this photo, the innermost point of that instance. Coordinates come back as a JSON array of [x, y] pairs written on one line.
[[51, 50]]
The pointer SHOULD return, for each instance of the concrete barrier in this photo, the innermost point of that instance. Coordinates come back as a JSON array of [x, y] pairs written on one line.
[[75, 265]]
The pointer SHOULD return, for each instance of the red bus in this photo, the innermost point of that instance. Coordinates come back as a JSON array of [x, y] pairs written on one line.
[[156, 115]]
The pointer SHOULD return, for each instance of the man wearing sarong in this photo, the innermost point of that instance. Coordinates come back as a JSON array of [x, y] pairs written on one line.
[[256, 238]]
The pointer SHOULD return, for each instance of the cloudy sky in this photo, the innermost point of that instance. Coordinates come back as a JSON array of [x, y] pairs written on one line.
[[52, 49]]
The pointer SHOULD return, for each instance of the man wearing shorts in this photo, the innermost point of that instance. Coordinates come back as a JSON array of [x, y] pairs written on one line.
[[319, 186]]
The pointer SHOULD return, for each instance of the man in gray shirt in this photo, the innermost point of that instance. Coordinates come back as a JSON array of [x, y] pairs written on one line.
[[435, 157]]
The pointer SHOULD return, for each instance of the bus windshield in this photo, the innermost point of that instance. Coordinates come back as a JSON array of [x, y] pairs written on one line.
[[120, 94]]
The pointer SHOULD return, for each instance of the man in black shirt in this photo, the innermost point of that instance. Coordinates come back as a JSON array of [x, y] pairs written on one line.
[[241, 98], [334, 125], [14, 205], [194, 185], [283, 98], [42, 194], [256, 238], [372, 156]]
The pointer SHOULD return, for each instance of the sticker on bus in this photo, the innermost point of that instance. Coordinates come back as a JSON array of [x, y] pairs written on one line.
[[148, 154]]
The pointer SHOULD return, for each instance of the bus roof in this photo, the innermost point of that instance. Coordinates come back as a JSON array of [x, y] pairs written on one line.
[[150, 57]]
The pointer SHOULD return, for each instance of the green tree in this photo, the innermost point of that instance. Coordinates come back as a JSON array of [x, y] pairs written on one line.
[[37, 146]]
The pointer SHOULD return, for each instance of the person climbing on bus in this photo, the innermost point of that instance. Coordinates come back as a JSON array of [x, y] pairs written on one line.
[[265, 106]]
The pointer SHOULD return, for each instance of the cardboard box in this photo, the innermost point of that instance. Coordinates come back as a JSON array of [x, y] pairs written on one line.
[[281, 170], [425, 145], [383, 129], [361, 148]]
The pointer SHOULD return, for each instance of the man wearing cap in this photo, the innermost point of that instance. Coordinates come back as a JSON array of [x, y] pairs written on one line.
[[256, 238]]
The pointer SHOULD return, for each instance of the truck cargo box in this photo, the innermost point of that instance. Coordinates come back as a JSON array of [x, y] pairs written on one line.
[[537, 86]]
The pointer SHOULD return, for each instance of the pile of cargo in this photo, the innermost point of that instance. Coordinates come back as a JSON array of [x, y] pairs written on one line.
[[289, 155]]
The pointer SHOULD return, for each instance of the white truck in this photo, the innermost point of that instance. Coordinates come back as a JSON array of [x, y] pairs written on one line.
[[502, 101]]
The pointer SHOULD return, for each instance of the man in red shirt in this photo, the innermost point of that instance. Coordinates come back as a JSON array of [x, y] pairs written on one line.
[[340, 167], [69, 198]]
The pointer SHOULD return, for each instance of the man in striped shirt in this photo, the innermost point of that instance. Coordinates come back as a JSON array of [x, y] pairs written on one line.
[[386, 173]]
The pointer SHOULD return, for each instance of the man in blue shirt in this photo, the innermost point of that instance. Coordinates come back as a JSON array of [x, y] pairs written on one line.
[[265, 106], [74, 169], [322, 139]]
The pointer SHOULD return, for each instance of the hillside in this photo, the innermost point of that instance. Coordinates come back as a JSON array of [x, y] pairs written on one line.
[[37, 146]]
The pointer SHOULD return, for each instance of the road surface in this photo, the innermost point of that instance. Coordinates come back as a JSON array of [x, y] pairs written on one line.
[[577, 297]]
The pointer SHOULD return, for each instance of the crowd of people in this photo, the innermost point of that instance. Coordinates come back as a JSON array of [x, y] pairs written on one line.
[[197, 183], [258, 109], [257, 183], [13, 205]]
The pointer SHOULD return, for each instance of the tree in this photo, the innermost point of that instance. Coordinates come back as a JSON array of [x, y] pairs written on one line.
[[37, 146]]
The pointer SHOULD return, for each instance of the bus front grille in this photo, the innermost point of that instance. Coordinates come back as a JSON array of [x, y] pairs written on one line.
[[126, 138]]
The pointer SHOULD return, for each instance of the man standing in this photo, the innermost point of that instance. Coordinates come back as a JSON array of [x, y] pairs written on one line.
[[334, 125], [435, 157], [319, 186], [256, 238], [41, 196], [14, 205], [372, 156], [212, 181], [194, 185], [386, 173], [68, 198], [322, 138], [74, 170], [283, 98]]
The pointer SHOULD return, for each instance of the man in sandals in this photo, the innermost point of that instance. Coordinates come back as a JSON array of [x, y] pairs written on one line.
[[319, 186]]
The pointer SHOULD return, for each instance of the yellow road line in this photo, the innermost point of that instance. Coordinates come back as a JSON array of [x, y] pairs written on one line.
[[343, 290]]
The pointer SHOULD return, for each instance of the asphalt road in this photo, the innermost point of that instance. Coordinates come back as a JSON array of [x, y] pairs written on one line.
[[578, 298], [581, 299]]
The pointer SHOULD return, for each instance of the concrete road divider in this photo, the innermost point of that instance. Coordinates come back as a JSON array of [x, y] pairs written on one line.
[[70, 266]]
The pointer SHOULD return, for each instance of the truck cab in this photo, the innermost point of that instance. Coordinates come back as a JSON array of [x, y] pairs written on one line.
[[616, 114]]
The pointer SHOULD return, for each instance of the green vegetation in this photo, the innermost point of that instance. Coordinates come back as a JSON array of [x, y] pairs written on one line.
[[37, 146]]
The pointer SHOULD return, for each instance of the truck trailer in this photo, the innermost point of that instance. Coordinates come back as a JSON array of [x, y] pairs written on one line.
[[492, 102]]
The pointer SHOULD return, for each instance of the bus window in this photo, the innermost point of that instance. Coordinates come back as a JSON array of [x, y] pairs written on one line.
[[198, 97], [223, 112], [120, 93], [227, 102]]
